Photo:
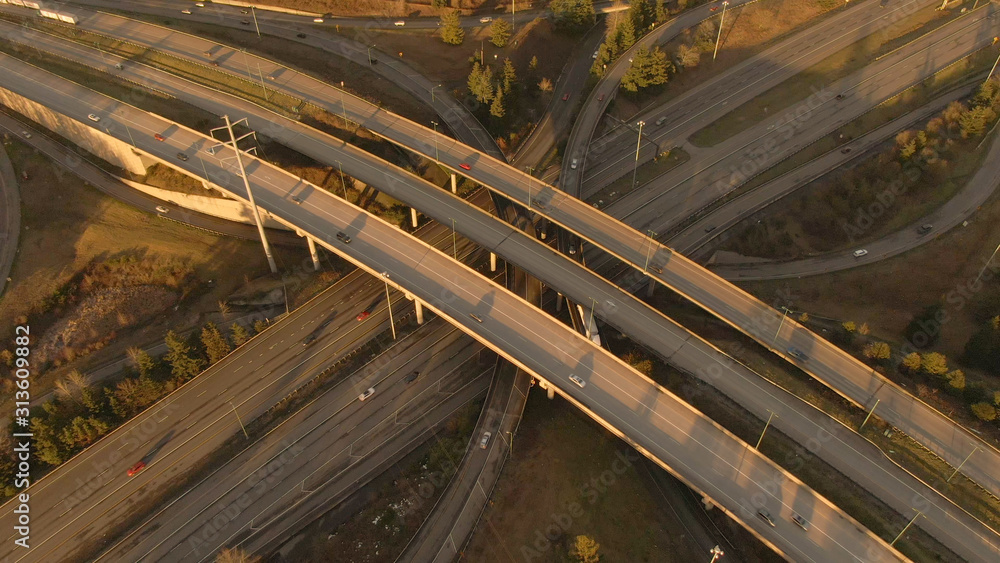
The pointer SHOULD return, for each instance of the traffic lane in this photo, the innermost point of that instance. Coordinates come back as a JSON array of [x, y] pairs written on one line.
[[845, 451], [311, 439], [711, 100], [647, 414]]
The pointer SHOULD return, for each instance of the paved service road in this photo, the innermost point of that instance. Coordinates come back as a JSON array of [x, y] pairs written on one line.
[[681, 439], [10, 216]]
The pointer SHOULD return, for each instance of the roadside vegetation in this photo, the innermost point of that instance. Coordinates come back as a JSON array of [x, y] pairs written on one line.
[[922, 169]]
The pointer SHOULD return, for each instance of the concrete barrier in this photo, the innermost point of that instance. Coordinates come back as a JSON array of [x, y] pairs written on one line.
[[269, 8]]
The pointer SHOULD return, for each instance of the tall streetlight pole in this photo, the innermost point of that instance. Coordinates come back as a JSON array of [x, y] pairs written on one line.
[[992, 69], [766, 424], [370, 55], [530, 170], [907, 527], [784, 311], [959, 468], [649, 251], [719, 37], [246, 184], [437, 156], [590, 331], [454, 240], [254, 12], [988, 261], [343, 183], [716, 552], [388, 302], [432, 92], [238, 419], [638, 143]]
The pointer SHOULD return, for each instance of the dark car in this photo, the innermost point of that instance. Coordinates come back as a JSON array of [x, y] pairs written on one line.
[[245, 22], [765, 516], [182, 156], [342, 237], [136, 468], [797, 354], [565, 97], [310, 339], [300, 35], [411, 378], [924, 229]]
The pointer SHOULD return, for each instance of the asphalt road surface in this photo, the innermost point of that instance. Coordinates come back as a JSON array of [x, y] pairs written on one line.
[[616, 395]]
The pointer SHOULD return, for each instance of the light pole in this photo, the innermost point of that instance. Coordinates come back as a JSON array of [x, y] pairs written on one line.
[[719, 37], [254, 12], [716, 552], [388, 302], [239, 420], [530, 170], [343, 183], [437, 156], [959, 468], [370, 55], [432, 92], [638, 143], [907, 527], [988, 261], [992, 69], [454, 240], [590, 331], [766, 424], [649, 251], [784, 311]]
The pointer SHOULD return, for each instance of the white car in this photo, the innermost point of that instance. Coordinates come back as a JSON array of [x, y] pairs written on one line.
[[579, 382], [574, 163], [318, 20], [161, 209], [26, 134], [400, 23], [200, 4], [485, 440], [485, 19], [366, 394], [93, 118], [188, 12], [860, 252]]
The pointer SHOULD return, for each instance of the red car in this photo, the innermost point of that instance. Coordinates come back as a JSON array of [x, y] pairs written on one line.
[[136, 468], [465, 166], [159, 137], [364, 315], [713, 8], [565, 97]]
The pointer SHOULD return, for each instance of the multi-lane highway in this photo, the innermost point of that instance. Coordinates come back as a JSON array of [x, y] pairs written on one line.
[[671, 341], [615, 394]]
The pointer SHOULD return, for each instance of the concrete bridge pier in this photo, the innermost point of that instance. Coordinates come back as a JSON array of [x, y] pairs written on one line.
[[559, 301], [454, 183], [493, 261], [413, 216], [312, 253]]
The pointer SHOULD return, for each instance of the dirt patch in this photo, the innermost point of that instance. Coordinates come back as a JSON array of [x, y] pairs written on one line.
[[98, 318]]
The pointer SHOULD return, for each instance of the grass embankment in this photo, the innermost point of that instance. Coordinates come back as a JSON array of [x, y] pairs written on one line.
[[646, 172], [818, 76]]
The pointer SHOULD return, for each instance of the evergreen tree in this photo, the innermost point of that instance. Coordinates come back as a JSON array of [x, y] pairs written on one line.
[[574, 15], [82, 432], [500, 32], [238, 334], [481, 83], [216, 345], [259, 326], [143, 362], [649, 68], [642, 13], [451, 28], [509, 76], [183, 365], [533, 64], [496, 108]]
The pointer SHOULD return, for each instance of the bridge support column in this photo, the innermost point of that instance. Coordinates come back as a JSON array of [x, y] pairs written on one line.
[[650, 288], [493, 262], [420, 311], [559, 300], [312, 253], [454, 184], [413, 216], [550, 393]]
